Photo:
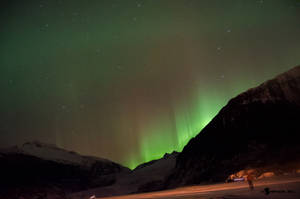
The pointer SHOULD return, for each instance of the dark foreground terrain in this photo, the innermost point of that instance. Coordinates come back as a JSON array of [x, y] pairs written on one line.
[[284, 187]]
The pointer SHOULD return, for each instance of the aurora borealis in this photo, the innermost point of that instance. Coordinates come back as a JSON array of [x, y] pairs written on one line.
[[132, 80]]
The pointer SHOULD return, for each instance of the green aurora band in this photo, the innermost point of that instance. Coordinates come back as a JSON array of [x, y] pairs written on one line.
[[133, 80]]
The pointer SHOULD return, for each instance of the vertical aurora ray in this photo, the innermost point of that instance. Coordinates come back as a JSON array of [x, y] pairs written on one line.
[[164, 137], [171, 132], [155, 141]]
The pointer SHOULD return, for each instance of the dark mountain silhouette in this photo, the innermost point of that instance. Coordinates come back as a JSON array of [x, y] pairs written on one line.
[[259, 127]]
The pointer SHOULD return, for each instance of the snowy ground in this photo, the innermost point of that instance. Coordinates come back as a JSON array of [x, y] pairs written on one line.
[[284, 187]]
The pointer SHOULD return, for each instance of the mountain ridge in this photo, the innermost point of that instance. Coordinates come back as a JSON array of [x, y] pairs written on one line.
[[283, 78], [52, 152]]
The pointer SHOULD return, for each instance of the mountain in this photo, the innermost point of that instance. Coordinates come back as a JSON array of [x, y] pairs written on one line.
[[146, 177], [42, 170], [258, 128]]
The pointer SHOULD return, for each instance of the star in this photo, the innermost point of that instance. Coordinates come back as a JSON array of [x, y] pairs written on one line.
[[119, 67], [98, 51], [82, 106]]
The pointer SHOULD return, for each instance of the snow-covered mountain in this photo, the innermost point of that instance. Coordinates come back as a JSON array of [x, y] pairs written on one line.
[[37, 168], [53, 153]]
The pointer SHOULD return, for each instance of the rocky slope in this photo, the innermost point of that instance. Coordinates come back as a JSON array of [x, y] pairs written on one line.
[[38, 170], [257, 128], [146, 177]]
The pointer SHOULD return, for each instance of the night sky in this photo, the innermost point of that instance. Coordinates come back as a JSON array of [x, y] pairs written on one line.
[[132, 80]]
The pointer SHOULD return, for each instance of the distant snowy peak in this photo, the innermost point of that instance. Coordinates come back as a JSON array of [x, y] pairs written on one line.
[[52, 152], [284, 87]]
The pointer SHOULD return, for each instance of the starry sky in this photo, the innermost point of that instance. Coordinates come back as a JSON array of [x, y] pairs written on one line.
[[132, 80]]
